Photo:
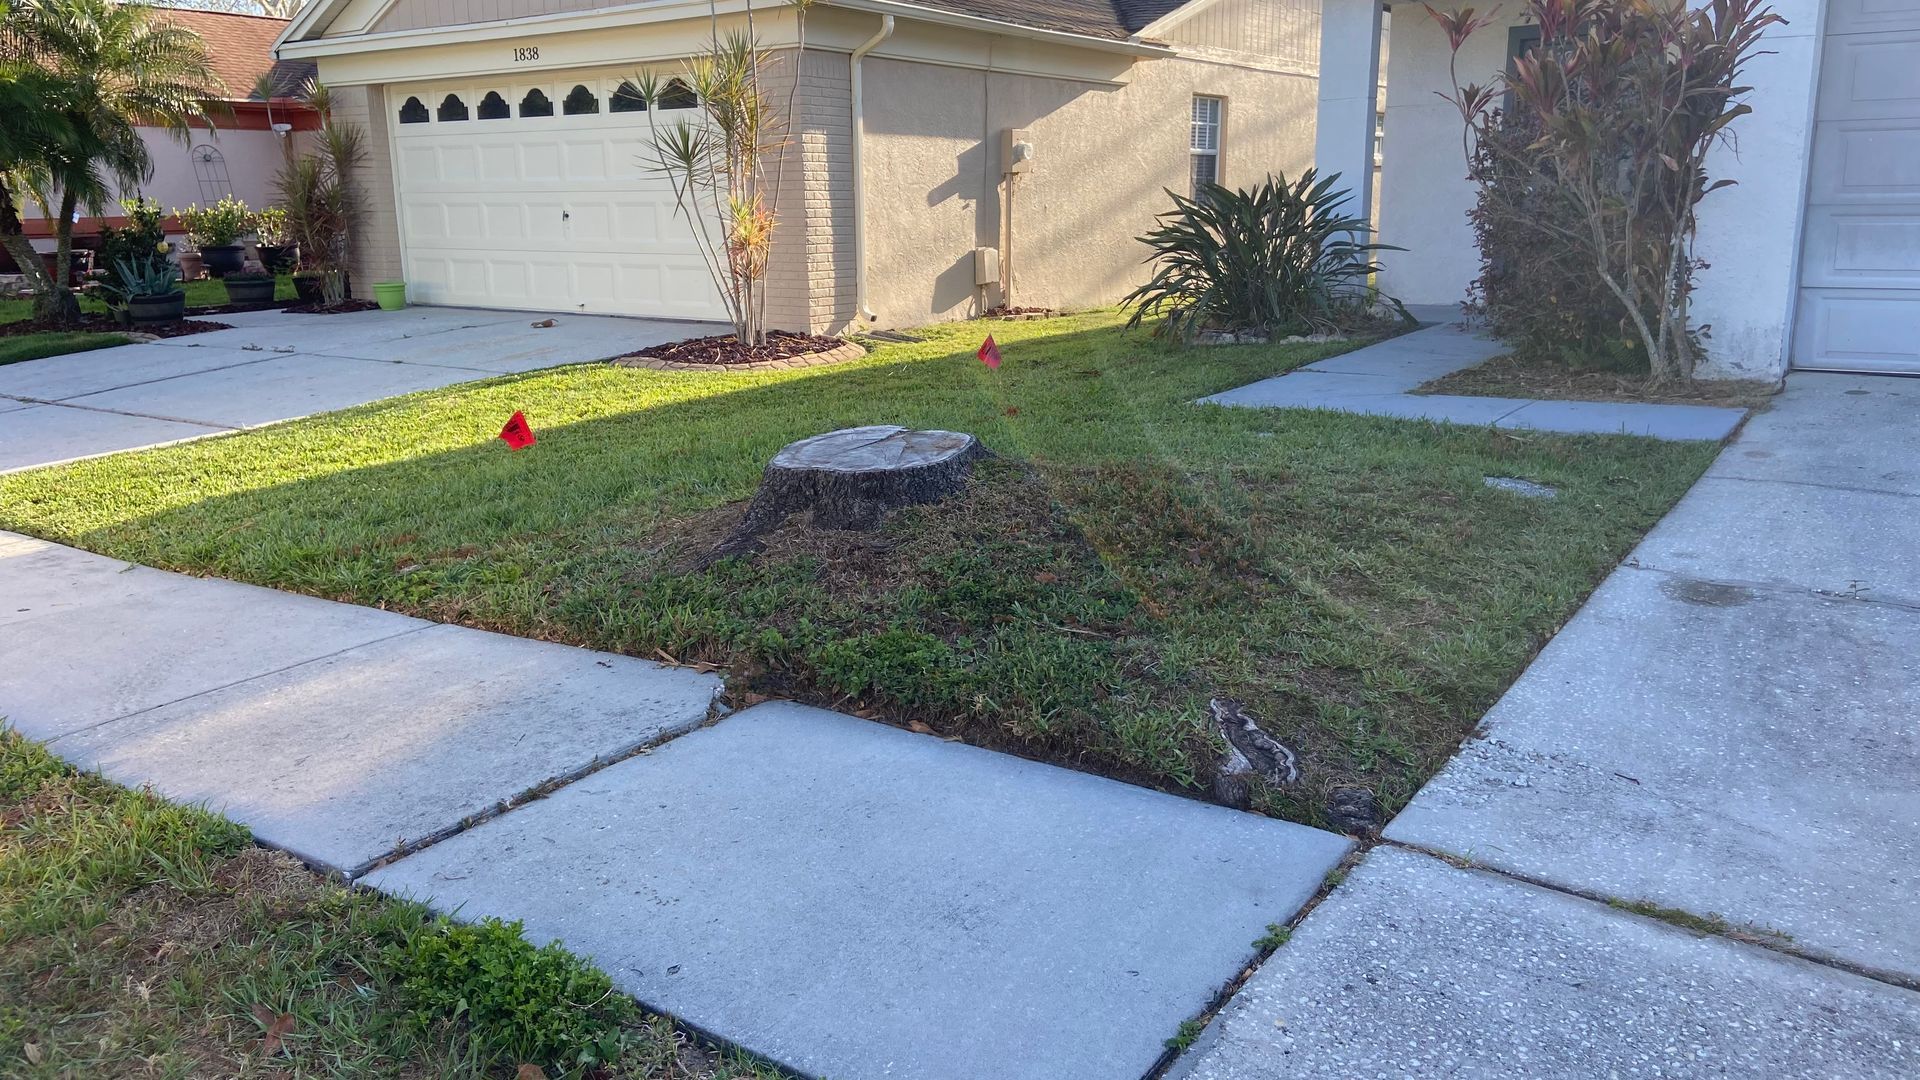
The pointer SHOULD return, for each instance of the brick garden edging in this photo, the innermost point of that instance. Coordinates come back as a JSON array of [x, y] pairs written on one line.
[[838, 355]]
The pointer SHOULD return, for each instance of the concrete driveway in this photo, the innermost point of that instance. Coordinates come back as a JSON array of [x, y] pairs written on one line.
[[276, 366]]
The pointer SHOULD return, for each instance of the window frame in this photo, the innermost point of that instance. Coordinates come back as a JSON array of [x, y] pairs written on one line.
[[1217, 125]]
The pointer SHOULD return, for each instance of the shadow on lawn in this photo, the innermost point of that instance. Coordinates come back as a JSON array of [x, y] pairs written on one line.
[[1350, 578]]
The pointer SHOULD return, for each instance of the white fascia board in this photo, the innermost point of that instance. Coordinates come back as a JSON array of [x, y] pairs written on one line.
[[939, 17], [292, 46], [652, 11]]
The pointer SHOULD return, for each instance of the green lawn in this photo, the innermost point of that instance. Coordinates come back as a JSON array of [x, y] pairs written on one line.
[[54, 343], [1128, 556], [139, 938], [206, 292]]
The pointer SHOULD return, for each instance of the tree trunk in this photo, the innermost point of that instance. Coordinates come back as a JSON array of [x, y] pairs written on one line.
[[13, 238], [57, 304], [850, 479]]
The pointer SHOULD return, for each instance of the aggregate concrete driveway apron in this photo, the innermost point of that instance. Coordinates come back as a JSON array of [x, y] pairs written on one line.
[[846, 897], [275, 366]]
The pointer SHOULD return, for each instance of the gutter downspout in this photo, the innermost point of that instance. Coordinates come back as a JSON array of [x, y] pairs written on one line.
[[859, 173]]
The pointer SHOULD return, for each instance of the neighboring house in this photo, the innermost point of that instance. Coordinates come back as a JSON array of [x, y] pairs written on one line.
[[506, 160], [242, 150], [1814, 256]]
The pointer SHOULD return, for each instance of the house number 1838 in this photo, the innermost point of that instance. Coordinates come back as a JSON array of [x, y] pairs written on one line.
[[529, 52]]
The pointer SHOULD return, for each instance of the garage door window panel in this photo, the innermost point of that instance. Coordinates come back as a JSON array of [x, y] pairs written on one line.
[[452, 109], [627, 99], [494, 107], [678, 95], [536, 103], [413, 112], [580, 102]]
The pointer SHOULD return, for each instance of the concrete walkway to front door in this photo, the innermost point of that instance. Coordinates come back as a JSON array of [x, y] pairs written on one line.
[[1379, 380], [276, 365], [843, 897], [1726, 738]]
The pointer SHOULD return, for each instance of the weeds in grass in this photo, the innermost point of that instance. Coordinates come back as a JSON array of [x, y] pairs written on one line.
[[140, 938]]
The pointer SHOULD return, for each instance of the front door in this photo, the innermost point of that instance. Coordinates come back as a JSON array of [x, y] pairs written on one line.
[[1859, 306]]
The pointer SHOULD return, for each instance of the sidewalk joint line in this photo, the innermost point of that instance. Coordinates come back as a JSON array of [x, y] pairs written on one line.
[[238, 682], [716, 712], [1738, 934], [1814, 484]]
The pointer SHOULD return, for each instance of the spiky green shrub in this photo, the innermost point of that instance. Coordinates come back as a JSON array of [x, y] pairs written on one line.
[[1282, 258]]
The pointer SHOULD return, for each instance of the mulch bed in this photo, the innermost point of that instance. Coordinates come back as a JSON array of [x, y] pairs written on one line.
[[101, 324], [1505, 376], [782, 350], [337, 309]]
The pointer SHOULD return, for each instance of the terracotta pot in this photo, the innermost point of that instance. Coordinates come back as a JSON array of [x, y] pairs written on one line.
[[192, 266], [144, 310]]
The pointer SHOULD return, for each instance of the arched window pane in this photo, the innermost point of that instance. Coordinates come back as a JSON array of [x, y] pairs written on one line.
[[494, 107], [452, 108], [536, 104], [580, 102], [412, 112], [627, 99], [678, 95]]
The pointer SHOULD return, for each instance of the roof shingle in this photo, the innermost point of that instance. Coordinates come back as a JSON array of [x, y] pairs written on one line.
[[240, 50]]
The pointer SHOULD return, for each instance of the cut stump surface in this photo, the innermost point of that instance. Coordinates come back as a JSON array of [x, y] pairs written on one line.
[[850, 479]]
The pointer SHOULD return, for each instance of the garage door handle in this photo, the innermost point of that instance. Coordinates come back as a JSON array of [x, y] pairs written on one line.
[[566, 215]]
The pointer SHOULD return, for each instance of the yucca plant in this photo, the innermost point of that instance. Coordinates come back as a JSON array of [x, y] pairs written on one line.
[[716, 164], [322, 198], [1282, 258]]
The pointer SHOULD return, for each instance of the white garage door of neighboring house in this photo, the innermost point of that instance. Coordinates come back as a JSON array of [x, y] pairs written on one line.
[[533, 196], [1860, 267]]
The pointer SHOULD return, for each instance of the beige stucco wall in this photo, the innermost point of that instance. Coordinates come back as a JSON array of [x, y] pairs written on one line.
[[1103, 156], [376, 243], [419, 14], [810, 275]]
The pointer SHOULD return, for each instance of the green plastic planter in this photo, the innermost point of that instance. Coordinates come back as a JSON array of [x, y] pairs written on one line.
[[390, 295]]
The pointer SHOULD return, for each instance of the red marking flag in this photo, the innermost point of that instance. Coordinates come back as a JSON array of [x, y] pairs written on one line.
[[518, 433], [989, 353]]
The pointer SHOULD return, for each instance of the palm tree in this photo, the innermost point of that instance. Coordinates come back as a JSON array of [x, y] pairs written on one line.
[[120, 67], [29, 130]]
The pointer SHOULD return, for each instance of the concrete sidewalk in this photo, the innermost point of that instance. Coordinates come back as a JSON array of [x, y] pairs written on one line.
[[1727, 733], [276, 365], [845, 897], [1379, 380]]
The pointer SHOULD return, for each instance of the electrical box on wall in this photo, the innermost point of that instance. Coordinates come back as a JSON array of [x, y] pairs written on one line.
[[986, 266], [1016, 152]]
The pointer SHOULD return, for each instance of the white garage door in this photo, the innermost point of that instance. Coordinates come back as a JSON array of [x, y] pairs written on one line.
[[1860, 268], [533, 196]]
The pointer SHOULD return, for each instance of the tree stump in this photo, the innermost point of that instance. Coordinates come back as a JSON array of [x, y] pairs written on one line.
[[850, 479]]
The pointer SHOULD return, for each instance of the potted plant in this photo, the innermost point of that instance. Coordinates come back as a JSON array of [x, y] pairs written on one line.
[[252, 285], [216, 230], [148, 288], [278, 252], [192, 266], [322, 201]]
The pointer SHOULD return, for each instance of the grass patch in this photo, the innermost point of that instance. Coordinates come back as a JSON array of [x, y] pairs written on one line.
[[142, 938], [1509, 376], [207, 292], [54, 343], [1350, 578]]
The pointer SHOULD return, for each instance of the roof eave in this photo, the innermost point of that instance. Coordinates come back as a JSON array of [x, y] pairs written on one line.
[[315, 17], [937, 16]]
